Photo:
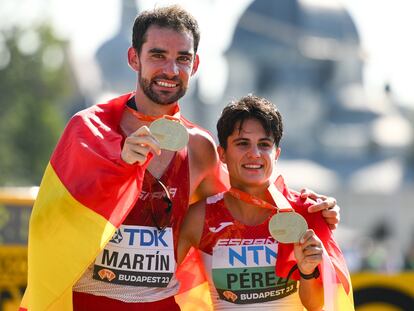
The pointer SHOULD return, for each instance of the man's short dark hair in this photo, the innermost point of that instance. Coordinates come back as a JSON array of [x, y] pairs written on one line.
[[250, 107], [173, 17]]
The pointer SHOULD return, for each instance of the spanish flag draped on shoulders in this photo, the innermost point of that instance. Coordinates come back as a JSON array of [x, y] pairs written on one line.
[[85, 194], [335, 276]]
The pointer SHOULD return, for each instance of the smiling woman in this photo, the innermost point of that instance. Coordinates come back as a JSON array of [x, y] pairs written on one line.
[[245, 266], [250, 155]]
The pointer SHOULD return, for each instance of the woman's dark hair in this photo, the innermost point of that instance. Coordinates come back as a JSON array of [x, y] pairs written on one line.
[[250, 107]]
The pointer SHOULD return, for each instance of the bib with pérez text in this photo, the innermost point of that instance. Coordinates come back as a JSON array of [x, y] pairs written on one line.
[[245, 274]]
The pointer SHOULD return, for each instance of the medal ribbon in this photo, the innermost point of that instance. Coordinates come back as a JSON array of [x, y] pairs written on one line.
[[281, 205], [143, 117]]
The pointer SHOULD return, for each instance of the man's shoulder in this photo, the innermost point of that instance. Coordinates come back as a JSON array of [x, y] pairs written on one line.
[[106, 111], [196, 130], [200, 138], [201, 148]]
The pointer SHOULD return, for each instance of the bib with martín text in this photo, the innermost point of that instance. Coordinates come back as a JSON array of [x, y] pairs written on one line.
[[137, 256]]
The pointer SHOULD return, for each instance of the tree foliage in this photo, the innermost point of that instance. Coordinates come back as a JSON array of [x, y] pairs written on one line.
[[35, 88]]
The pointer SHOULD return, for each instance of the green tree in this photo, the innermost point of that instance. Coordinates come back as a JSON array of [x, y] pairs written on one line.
[[36, 85]]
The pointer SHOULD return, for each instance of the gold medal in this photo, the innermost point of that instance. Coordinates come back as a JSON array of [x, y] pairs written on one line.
[[171, 134], [287, 227]]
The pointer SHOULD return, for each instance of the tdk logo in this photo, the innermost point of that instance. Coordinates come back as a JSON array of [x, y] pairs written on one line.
[[142, 236], [146, 237], [117, 237]]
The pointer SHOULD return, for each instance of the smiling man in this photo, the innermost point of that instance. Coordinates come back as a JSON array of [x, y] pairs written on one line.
[[111, 201], [164, 55]]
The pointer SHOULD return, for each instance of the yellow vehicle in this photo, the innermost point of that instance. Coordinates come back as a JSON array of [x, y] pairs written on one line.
[[15, 208]]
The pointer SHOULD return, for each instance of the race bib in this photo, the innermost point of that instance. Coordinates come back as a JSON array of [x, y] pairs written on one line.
[[137, 256], [245, 274]]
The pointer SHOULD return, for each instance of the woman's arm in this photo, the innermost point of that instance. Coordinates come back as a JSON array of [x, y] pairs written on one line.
[[191, 230], [308, 253]]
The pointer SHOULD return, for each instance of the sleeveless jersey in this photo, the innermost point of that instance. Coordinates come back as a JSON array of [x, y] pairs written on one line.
[[139, 263], [240, 263]]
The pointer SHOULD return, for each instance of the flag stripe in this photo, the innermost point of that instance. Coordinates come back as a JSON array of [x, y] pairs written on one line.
[[87, 161], [73, 232], [335, 296], [86, 192], [197, 298]]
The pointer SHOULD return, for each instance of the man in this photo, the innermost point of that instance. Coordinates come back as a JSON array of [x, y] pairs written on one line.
[[108, 175]]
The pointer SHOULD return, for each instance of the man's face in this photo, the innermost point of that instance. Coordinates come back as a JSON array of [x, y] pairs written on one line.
[[166, 63], [250, 155]]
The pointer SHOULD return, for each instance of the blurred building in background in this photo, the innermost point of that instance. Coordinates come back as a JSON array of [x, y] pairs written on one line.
[[306, 56]]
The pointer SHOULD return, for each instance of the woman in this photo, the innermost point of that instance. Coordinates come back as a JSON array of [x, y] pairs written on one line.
[[231, 229]]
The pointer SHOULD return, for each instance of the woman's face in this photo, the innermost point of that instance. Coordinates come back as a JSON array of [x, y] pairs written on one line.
[[250, 155]]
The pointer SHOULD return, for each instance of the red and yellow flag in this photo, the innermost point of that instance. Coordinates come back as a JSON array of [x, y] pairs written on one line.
[[335, 275], [85, 194], [194, 291]]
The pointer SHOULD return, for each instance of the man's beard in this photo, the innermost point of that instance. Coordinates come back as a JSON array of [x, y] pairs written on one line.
[[169, 97]]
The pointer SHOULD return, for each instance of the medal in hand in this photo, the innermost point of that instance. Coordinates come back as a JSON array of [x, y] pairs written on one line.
[[171, 134]]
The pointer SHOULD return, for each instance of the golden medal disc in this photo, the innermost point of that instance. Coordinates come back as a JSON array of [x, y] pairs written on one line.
[[287, 227], [171, 134]]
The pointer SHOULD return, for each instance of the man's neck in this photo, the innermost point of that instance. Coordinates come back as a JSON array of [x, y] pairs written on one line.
[[147, 107]]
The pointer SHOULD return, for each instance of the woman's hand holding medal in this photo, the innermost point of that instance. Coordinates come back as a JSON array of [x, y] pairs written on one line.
[[308, 252], [287, 226]]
